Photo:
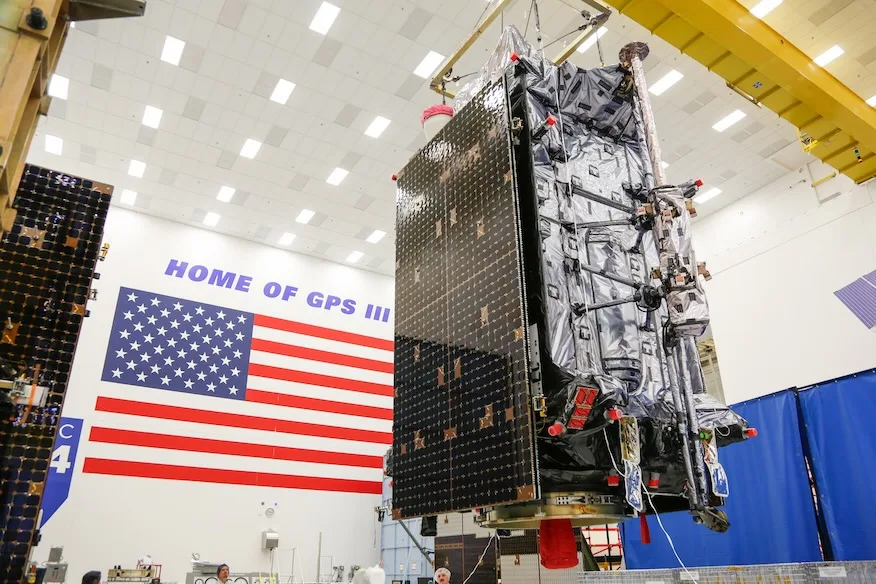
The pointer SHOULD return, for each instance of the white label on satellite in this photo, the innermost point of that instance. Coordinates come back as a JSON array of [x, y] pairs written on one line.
[[832, 572]]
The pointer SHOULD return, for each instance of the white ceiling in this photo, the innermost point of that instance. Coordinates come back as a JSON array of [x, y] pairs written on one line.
[[237, 50]]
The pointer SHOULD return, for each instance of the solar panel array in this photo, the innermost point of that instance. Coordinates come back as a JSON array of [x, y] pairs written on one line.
[[462, 431]]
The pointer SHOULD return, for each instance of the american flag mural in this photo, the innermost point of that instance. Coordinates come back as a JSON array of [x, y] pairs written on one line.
[[205, 393]]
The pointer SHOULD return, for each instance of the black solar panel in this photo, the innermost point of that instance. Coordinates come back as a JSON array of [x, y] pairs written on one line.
[[462, 430]]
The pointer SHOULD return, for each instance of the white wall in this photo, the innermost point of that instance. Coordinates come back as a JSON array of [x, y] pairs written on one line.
[[776, 257], [111, 520]]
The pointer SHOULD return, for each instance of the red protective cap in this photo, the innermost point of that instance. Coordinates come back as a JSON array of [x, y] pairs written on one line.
[[514, 57], [653, 483], [394, 177], [436, 110], [551, 120], [556, 429], [699, 182], [613, 480], [615, 414], [751, 432], [644, 530]]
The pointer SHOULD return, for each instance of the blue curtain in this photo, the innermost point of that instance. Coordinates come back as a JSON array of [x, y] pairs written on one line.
[[839, 416], [772, 515]]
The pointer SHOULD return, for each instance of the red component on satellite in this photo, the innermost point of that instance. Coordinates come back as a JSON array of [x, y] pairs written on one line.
[[751, 432], [394, 177], [556, 429], [514, 57], [615, 414], [551, 120], [613, 480], [699, 182], [557, 545]]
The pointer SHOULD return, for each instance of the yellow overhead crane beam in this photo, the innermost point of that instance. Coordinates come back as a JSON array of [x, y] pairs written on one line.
[[835, 124]]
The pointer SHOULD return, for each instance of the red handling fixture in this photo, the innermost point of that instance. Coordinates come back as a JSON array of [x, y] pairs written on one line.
[[556, 544]]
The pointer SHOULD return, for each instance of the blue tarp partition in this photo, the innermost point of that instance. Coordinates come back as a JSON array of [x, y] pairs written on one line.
[[771, 511], [840, 420]]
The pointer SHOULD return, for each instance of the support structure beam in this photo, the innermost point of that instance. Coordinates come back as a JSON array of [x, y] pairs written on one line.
[[768, 67]]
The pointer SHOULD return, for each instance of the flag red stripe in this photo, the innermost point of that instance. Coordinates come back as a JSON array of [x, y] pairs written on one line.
[[190, 444], [180, 414], [322, 356], [229, 477], [322, 332], [319, 405], [319, 379]]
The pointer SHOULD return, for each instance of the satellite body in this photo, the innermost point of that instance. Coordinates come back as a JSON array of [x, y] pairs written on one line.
[[547, 303]]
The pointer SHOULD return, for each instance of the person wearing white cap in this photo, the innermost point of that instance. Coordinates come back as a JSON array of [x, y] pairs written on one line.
[[442, 576]]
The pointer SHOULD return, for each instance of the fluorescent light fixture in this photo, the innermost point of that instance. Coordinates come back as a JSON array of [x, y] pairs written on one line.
[[872, 101], [376, 236], [707, 196], [286, 238], [666, 82], [54, 145], [59, 86], [428, 65], [152, 116], [137, 168], [354, 257], [282, 91], [337, 176], [250, 148], [305, 216], [377, 127], [729, 120], [829, 55], [591, 40], [764, 7], [173, 50], [129, 197], [664, 164], [324, 18], [211, 219], [225, 194]]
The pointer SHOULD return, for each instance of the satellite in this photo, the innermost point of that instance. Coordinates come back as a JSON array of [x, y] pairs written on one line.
[[548, 301]]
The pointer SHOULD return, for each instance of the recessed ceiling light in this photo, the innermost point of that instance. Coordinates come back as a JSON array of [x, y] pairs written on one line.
[[428, 65], [225, 194], [286, 239], [337, 176], [250, 148], [707, 196], [129, 197], [764, 7], [173, 50], [282, 91], [828, 55], [377, 127], [137, 168], [728, 121], [354, 257], [305, 216], [376, 236], [872, 101], [54, 145], [59, 86], [152, 116], [324, 18], [211, 219], [591, 40], [666, 82]]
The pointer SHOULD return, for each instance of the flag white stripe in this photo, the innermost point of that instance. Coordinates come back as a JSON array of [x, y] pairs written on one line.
[[298, 340], [226, 462], [309, 366], [315, 391]]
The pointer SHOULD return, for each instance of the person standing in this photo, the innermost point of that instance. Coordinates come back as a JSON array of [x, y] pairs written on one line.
[[222, 573]]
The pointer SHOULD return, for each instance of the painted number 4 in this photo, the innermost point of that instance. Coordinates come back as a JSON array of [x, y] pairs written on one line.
[[61, 459]]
